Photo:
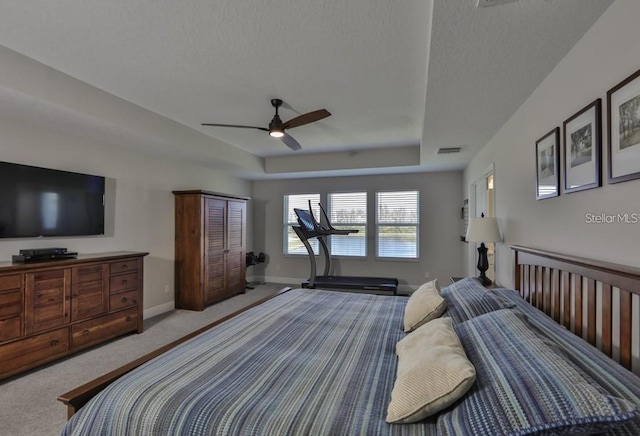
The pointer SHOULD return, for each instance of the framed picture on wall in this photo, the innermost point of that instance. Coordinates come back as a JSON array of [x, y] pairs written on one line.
[[623, 119], [583, 149], [548, 165]]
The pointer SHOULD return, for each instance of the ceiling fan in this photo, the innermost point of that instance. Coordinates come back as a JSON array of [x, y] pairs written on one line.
[[277, 128]]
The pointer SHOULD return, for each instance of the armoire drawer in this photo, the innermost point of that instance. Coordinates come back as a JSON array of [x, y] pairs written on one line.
[[33, 351], [105, 327]]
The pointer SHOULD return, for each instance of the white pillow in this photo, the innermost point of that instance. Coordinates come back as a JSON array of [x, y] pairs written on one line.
[[424, 305], [433, 372]]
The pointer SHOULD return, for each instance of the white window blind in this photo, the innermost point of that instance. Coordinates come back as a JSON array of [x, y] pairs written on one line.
[[293, 244], [397, 222], [348, 210]]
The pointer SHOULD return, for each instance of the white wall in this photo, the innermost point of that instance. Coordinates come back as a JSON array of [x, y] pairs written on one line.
[[140, 205], [607, 54], [440, 248]]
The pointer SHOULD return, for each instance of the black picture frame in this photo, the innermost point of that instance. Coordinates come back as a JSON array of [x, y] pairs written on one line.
[[548, 165], [582, 149], [623, 112]]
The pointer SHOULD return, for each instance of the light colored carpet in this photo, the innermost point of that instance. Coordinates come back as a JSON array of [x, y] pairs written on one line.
[[28, 404]]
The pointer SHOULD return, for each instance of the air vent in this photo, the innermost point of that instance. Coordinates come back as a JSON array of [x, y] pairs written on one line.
[[449, 150], [487, 3]]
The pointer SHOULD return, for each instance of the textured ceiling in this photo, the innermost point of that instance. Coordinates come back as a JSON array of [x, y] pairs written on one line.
[[415, 75]]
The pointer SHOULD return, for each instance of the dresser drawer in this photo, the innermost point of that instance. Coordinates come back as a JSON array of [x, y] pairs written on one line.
[[105, 327], [10, 282], [10, 303], [33, 351], [10, 328], [123, 299], [123, 282], [124, 266]]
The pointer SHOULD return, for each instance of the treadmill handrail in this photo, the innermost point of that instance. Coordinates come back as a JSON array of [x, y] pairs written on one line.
[[312, 228]]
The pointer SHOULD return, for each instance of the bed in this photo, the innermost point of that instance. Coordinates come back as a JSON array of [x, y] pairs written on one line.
[[314, 362]]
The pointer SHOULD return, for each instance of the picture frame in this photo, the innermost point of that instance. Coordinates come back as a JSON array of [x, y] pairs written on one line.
[[623, 121], [548, 165], [582, 150]]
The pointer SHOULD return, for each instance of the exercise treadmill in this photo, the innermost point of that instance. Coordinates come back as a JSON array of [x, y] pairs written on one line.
[[310, 228]]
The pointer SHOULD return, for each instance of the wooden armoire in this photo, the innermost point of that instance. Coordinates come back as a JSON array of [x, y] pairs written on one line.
[[210, 254]]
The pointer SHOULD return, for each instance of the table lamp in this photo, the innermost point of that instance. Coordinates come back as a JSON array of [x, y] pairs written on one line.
[[483, 229]]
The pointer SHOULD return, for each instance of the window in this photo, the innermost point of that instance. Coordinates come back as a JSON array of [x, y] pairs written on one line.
[[397, 223], [348, 210], [293, 244]]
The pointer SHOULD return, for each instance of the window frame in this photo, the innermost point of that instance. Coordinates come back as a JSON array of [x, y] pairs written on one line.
[[286, 225], [354, 224], [415, 225]]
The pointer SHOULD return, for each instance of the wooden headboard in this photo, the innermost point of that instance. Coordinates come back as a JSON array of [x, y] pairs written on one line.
[[598, 301]]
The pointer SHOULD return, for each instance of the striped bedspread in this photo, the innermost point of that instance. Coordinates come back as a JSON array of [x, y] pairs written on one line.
[[307, 362]]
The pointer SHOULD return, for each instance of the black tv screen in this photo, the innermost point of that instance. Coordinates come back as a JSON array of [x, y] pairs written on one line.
[[44, 202]]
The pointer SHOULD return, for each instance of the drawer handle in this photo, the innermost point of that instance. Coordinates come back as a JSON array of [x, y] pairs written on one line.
[[128, 318], [85, 332], [123, 300], [54, 342], [124, 282], [125, 266]]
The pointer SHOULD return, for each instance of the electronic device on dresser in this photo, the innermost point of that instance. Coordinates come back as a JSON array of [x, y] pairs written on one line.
[[42, 254]]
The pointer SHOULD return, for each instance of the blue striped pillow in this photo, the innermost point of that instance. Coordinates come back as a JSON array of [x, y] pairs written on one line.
[[467, 298], [524, 385]]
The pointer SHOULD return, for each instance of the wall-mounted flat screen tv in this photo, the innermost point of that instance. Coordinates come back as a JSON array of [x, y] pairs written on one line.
[[44, 202]]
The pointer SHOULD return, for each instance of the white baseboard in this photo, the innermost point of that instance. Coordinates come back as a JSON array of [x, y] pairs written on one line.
[[158, 310], [296, 281]]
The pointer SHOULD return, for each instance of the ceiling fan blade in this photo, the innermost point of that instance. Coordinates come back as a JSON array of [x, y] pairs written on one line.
[[307, 118], [290, 142], [235, 125]]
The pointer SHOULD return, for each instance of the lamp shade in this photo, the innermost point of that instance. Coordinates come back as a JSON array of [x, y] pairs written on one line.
[[483, 230]]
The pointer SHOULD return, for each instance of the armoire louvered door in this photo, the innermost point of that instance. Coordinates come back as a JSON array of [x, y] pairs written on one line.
[[214, 237], [236, 246]]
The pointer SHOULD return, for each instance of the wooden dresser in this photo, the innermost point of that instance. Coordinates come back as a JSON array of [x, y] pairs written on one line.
[[210, 247], [51, 309]]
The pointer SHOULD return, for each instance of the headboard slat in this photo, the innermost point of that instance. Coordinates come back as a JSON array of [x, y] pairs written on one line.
[[591, 311], [539, 289], [525, 281], [577, 304], [625, 328], [555, 292], [546, 289], [566, 282], [606, 319]]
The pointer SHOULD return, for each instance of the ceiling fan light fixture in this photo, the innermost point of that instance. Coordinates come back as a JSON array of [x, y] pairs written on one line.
[[276, 133], [276, 130]]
